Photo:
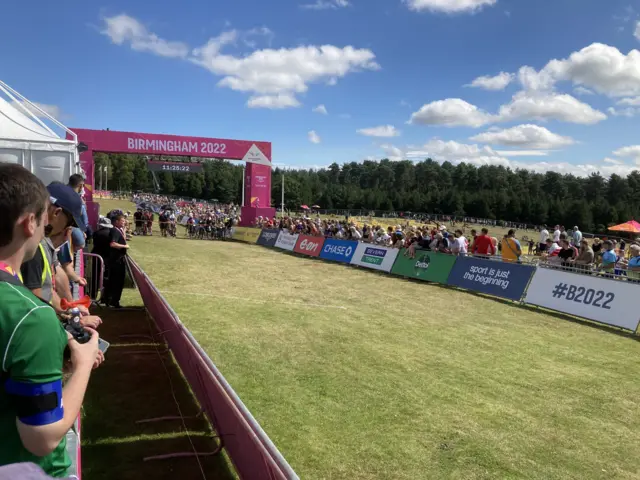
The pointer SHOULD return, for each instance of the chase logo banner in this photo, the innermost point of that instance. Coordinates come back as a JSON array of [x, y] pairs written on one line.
[[427, 266], [377, 258], [338, 250]]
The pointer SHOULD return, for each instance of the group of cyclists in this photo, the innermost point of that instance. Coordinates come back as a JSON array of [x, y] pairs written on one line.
[[143, 219]]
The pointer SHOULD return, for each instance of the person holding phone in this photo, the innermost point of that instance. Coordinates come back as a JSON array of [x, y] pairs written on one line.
[[36, 412]]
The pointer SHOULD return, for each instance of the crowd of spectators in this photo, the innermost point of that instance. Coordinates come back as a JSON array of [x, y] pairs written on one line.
[[565, 248]]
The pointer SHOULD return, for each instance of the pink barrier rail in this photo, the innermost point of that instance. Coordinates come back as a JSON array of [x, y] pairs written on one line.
[[253, 454]]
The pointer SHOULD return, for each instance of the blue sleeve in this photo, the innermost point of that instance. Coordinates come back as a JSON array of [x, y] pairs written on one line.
[[518, 243], [64, 254]]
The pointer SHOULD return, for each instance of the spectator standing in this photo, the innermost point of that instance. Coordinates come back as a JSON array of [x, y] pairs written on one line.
[[609, 258], [483, 244], [585, 256], [544, 236], [459, 246], [556, 234], [566, 253], [40, 272], [511, 248], [35, 411], [577, 236], [117, 263], [79, 236], [633, 266]]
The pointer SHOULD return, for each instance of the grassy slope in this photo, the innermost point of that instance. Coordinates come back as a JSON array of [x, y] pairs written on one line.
[[354, 374]]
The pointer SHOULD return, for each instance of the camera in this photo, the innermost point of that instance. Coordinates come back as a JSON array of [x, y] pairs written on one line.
[[71, 323]]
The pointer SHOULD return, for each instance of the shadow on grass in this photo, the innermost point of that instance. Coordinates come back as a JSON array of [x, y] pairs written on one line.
[[132, 385]]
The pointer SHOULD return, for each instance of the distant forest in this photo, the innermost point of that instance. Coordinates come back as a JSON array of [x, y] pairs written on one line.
[[495, 192]]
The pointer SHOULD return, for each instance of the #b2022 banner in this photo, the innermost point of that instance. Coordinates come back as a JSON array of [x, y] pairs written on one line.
[[607, 301], [308, 245], [338, 250], [268, 237], [375, 257], [286, 241], [425, 265], [500, 279]]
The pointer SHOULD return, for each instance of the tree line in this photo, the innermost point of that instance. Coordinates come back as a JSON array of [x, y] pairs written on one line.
[[495, 192]]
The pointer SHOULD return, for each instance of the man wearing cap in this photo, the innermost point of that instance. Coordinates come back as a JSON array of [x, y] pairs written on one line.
[[39, 273]]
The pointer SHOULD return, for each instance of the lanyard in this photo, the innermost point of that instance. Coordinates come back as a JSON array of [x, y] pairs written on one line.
[[6, 268]]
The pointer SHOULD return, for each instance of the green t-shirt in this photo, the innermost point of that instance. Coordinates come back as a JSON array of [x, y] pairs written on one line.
[[32, 343]]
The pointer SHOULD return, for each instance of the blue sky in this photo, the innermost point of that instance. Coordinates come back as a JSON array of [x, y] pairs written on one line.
[[395, 77]]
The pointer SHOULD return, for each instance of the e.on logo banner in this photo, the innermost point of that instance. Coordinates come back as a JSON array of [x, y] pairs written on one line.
[[307, 245]]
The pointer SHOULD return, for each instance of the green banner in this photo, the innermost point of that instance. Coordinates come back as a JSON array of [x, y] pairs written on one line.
[[426, 265]]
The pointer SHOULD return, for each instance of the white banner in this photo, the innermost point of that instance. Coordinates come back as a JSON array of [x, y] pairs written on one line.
[[286, 241], [607, 301], [373, 256]]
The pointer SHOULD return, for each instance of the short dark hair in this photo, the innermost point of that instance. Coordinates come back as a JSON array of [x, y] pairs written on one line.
[[511, 232], [20, 192], [485, 231], [117, 217], [76, 180]]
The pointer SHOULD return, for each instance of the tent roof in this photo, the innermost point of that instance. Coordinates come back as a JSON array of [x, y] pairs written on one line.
[[630, 226], [15, 126]]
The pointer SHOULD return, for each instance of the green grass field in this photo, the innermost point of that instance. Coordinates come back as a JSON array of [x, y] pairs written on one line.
[[360, 375]]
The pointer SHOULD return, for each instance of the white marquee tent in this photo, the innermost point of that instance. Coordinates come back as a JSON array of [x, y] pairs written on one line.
[[26, 140]]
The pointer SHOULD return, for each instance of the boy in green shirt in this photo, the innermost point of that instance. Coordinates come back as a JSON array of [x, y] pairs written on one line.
[[33, 420]]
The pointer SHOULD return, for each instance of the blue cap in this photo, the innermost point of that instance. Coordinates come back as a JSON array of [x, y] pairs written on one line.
[[65, 197]]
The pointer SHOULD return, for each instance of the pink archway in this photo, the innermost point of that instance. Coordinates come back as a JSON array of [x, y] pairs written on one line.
[[257, 156]]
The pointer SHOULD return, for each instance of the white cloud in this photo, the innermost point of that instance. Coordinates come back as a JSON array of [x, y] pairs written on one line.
[[623, 112], [393, 153], [579, 90], [633, 101], [613, 161], [321, 109], [267, 72], [457, 153], [381, 131], [52, 110], [524, 136], [637, 31], [123, 29], [279, 101], [497, 82], [549, 106], [326, 4], [522, 153], [632, 151], [525, 105], [313, 137], [451, 112], [449, 6], [600, 67]]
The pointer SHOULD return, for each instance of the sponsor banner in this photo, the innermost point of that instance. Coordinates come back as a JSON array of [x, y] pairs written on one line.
[[338, 250], [596, 298], [246, 234], [268, 237], [307, 245], [426, 265], [501, 279], [286, 241], [373, 256]]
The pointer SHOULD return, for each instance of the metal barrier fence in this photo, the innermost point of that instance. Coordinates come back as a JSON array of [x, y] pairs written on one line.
[[94, 273], [253, 454]]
